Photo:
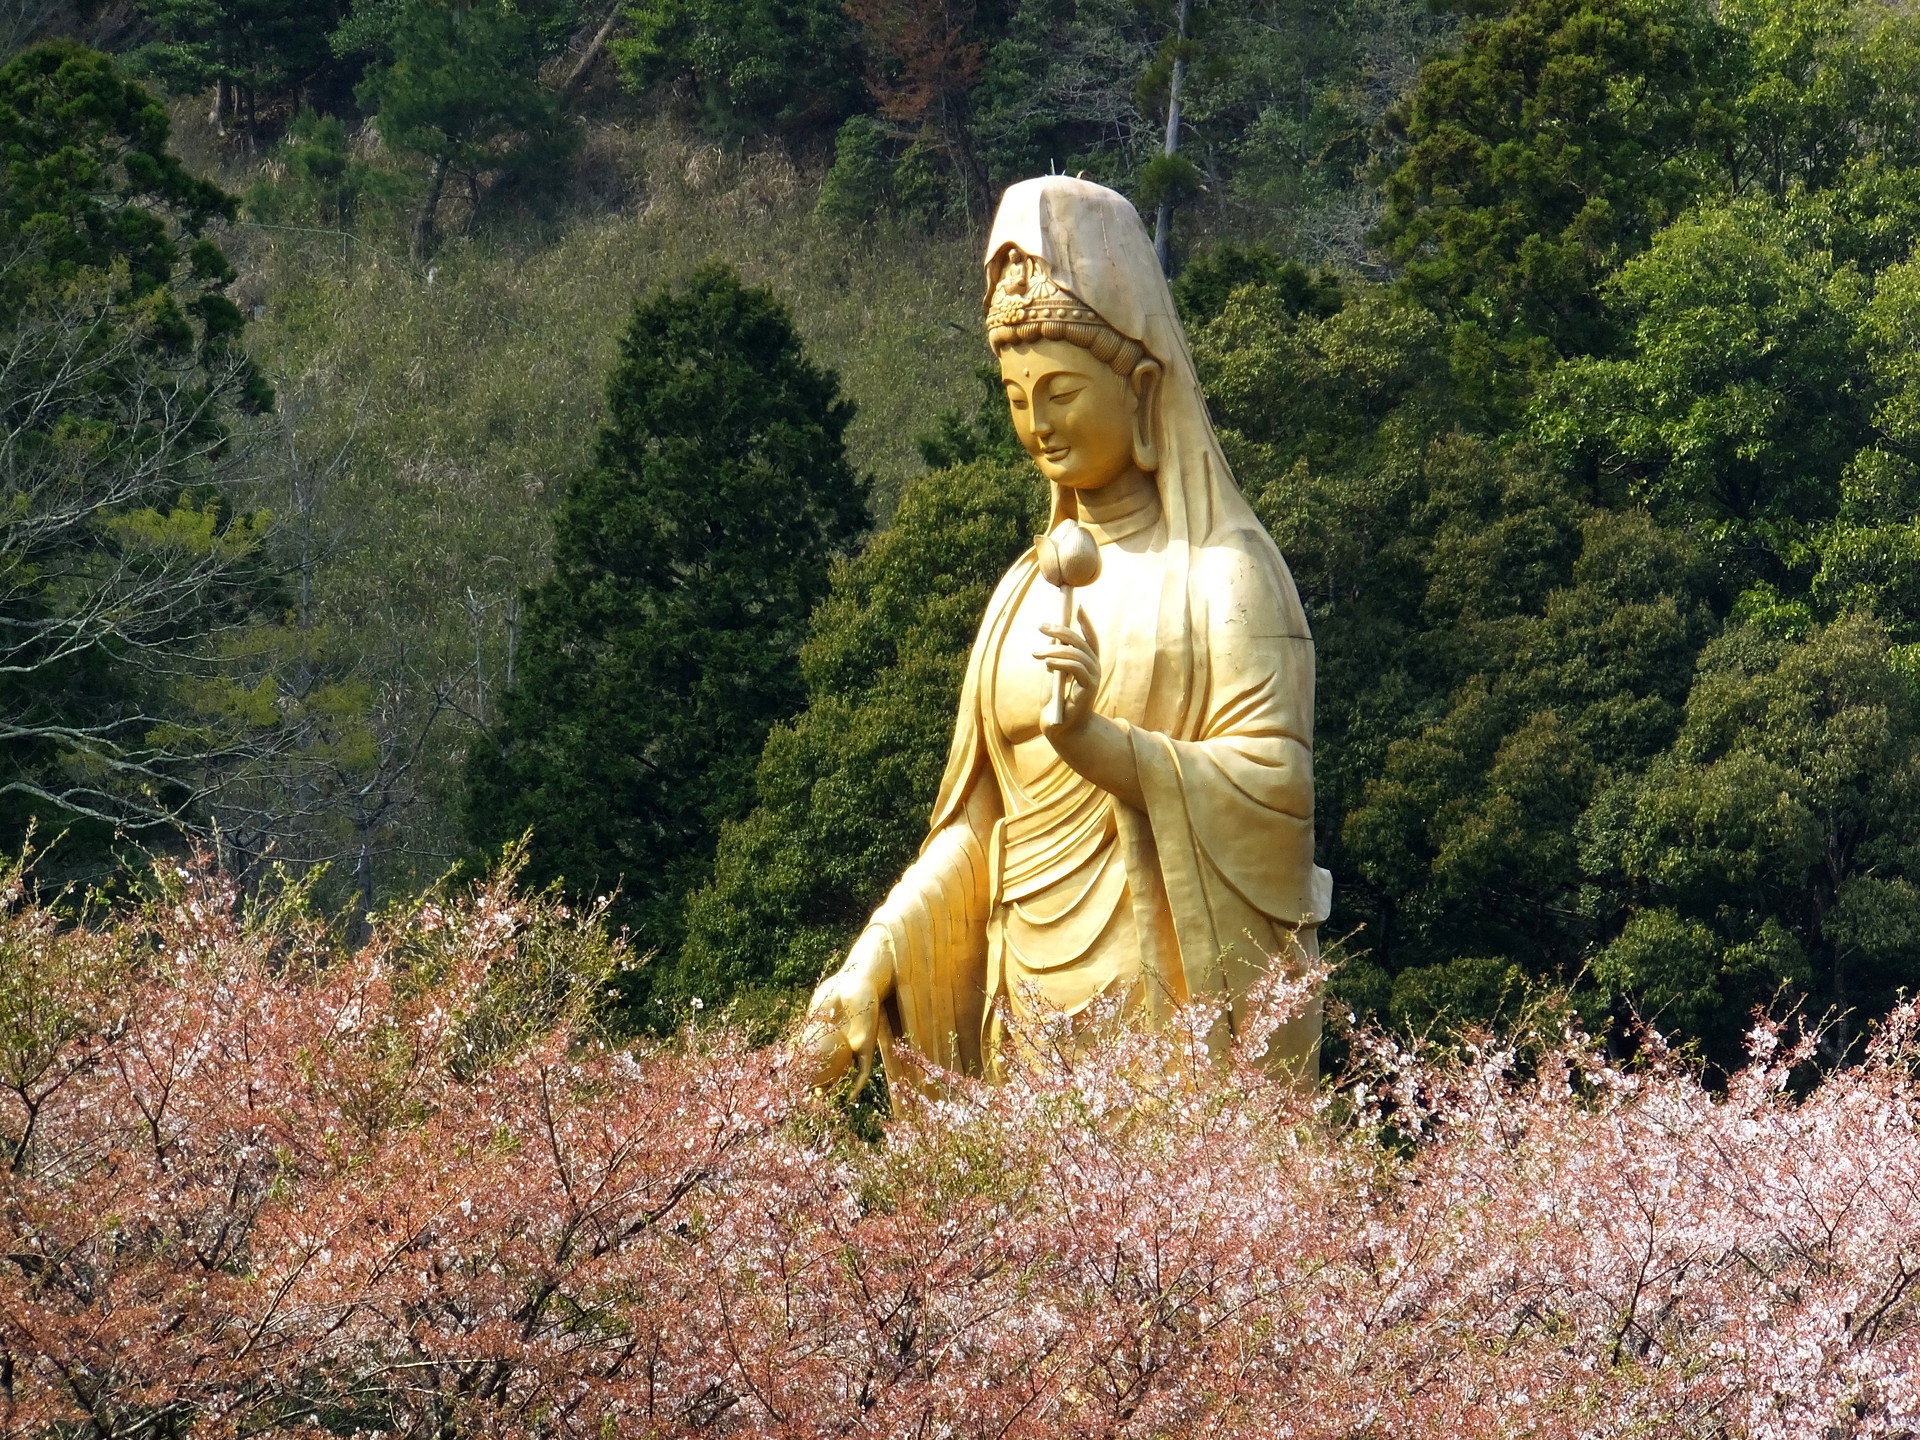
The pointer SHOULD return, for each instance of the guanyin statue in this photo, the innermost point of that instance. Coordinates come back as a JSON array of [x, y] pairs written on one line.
[[1127, 808]]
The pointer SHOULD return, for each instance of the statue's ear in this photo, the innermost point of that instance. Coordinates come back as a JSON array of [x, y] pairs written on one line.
[[1145, 382]]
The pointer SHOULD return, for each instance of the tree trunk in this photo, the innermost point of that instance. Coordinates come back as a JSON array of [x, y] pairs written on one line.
[[577, 76], [513, 634], [363, 889], [958, 141], [423, 227], [217, 116], [1163, 217]]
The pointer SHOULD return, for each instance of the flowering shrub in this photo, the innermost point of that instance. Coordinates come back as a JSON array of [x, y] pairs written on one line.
[[255, 1184]]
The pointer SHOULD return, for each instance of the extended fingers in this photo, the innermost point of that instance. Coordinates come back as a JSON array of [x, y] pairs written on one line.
[[826, 1047], [1071, 664], [1068, 635], [1071, 646], [865, 1073]]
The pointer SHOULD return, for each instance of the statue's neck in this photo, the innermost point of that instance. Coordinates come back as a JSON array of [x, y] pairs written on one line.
[[1122, 507]]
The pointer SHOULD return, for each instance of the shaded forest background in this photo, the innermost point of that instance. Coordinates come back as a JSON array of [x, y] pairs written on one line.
[[568, 417]]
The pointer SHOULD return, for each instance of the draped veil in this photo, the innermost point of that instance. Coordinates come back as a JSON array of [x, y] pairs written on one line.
[[1220, 865]]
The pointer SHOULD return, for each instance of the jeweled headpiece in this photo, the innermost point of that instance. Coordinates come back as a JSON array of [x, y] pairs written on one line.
[[1028, 305]]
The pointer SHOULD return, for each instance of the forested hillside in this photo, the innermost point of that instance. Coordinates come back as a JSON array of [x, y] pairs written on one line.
[[499, 397]]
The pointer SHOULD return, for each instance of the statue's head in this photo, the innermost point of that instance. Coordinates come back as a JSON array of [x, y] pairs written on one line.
[[1080, 392], [1089, 341]]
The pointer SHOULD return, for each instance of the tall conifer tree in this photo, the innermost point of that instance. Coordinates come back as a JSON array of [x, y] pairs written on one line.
[[687, 559]]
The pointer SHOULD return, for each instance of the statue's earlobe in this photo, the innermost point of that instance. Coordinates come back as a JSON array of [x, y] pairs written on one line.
[[1146, 415]]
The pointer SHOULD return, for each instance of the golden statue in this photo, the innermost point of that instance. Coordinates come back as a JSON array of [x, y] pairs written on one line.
[[1127, 809]]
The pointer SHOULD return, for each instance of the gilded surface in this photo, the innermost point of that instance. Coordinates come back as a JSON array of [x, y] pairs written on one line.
[[1127, 807]]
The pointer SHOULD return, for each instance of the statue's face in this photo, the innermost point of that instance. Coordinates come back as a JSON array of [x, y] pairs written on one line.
[[1074, 415]]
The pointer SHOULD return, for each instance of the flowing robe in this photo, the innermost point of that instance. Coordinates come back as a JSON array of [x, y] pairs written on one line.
[[1052, 892]]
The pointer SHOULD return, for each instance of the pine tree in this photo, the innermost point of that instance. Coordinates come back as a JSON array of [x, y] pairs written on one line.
[[791, 66], [1563, 134], [245, 50], [687, 560], [463, 92], [128, 579]]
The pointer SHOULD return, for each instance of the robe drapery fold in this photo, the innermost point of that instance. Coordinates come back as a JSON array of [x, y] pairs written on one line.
[[1210, 671]]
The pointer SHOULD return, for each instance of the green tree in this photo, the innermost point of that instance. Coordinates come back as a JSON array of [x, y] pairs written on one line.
[[860, 184], [1547, 151], [1772, 853], [1742, 393], [243, 49], [791, 66], [686, 562], [1276, 102], [1078, 85], [1816, 87], [845, 789], [91, 184], [1562, 639], [1209, 279], [1492, 644], [1868, 557], [319, 178], [126, 572], [1290, 99], [463, 92]]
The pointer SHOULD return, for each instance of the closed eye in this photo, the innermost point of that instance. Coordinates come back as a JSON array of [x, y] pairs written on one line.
[[1062, 397]]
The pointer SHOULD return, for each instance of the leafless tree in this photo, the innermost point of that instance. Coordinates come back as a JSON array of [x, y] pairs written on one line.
[[124, 568], [358, 725]]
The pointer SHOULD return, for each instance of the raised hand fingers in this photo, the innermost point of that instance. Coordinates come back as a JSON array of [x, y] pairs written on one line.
[[1076, 665], [1081, 639]]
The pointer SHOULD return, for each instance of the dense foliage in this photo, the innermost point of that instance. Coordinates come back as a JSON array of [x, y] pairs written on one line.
[[462, 91], [842, 791], [259, 1185], [686, 562], [123, 565], [929, 106], [246, 50], [1564, 345], [785, 64]]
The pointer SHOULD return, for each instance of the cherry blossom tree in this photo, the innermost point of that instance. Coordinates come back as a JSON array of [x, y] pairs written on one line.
[[257, 1183]]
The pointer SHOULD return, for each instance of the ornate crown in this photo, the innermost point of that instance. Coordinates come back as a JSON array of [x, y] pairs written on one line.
[[1028, 295], [1028, 304]]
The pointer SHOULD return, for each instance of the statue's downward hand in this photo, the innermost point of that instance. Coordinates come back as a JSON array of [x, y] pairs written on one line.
[[824, 1050], [841, 1026]]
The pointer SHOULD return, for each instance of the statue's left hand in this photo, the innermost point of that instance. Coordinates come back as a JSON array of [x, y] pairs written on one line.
[[842, 1021], [1073, 655]]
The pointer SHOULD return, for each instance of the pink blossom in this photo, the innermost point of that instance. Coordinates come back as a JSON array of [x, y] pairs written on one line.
[[260, 1183]]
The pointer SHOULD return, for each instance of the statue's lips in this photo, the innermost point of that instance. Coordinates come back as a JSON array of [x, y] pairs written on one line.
[[1056, 456]]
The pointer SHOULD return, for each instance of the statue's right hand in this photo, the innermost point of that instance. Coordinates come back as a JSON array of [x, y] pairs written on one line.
[[843, 1018]]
